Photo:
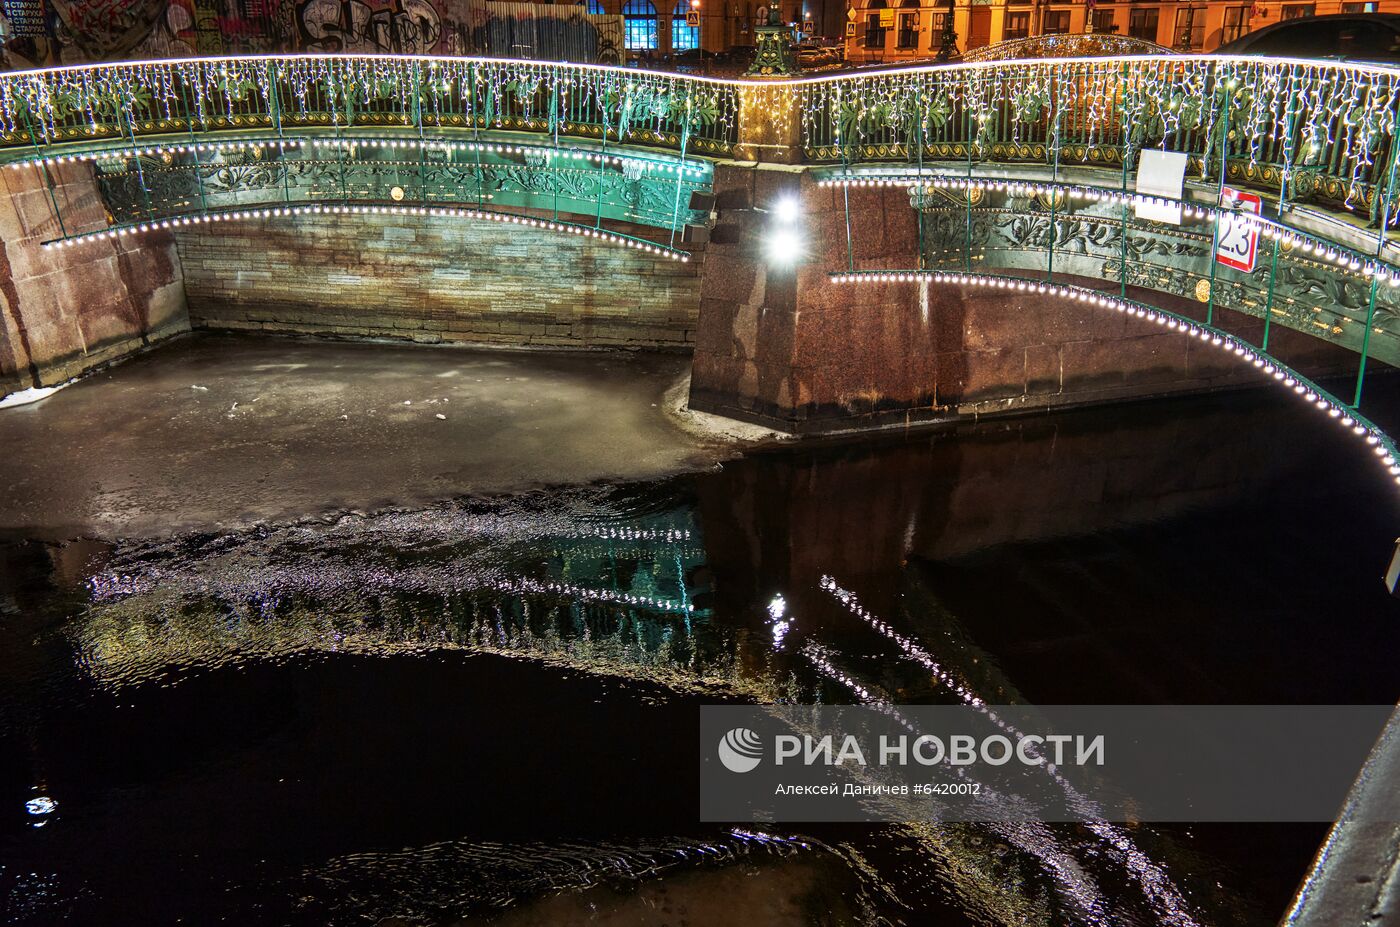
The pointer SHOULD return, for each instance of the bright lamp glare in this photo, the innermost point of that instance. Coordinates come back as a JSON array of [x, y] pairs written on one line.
[[785, 210], [784, 246]]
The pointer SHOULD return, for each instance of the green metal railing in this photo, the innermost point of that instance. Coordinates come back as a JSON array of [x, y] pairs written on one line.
[[1302, 130], [134, 100]]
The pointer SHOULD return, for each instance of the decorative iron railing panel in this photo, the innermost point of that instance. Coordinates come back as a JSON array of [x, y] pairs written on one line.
[[129, 101], [1009, 233], [1301, 129], [168, 186]]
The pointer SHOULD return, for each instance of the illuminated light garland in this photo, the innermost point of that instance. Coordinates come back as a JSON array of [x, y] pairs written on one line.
[[166, 95], [445, 212], [1069, 45], [1290, 112], [1289, 107], [1313, 246], [655, 165], [1316, 397]]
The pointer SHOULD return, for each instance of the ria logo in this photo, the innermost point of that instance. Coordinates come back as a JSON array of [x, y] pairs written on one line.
[[740, 750]]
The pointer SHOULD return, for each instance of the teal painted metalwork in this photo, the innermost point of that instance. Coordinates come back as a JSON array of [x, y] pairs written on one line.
[[178, 140], [647, 191], [1301, 280]]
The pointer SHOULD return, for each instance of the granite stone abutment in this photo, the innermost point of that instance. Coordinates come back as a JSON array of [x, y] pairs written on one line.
[[65, 311]]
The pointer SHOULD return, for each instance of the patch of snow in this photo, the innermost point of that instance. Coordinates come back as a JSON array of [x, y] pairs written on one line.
[[25, 396], [441, 416], [202, 389], [710, 426]]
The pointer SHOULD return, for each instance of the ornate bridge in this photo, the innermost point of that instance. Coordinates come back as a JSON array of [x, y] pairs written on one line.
[[1017, 173]]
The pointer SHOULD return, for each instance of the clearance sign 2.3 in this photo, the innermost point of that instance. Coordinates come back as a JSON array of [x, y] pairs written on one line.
[[1237, 239]]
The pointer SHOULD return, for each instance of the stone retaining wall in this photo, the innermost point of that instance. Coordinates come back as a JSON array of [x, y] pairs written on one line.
[[435, 280]]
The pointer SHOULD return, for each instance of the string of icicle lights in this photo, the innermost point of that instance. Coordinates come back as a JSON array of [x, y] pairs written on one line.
[[256, 144], [1278, 111], [445, 212], [1345, 416], [106, 99], [1345, 259]]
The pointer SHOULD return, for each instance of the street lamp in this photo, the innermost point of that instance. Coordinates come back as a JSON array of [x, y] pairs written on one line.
[[949, 47]]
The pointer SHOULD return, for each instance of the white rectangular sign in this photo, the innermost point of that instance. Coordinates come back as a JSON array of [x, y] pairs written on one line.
[[1161, 173]]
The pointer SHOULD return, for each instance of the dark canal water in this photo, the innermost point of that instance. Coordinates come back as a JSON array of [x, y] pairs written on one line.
[[485, 712]]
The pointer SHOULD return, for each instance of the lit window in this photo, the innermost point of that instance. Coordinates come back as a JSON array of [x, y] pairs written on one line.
[[683, 36], [639, 17]]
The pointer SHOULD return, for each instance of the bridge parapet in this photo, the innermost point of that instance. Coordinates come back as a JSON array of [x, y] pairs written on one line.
[[1299, 132]]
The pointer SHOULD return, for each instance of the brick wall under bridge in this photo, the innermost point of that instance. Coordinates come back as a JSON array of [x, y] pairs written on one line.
[[788, 348]]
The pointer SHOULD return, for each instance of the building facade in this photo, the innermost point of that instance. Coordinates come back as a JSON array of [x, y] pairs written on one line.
[[670, 27], [897, 30]]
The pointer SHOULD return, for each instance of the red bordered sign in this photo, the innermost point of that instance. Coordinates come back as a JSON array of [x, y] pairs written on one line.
[[1237, 241]]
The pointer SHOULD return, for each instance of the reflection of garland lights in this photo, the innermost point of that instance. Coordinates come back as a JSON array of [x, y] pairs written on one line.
[[626, 553], [1344, 258], [540, 587], [114, 586], [911, 650], [627, 534], [281, 142], [427, 211], [1044, 845], [1157, 885], [1380, 444]]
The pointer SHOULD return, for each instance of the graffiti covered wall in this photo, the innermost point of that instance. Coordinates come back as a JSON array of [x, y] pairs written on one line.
[[41, 33]]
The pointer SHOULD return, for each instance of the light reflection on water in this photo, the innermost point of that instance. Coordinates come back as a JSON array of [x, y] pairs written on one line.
[[830, 574]]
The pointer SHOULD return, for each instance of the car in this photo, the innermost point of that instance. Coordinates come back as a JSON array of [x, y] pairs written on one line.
[[1361, 37], [815, 55]]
